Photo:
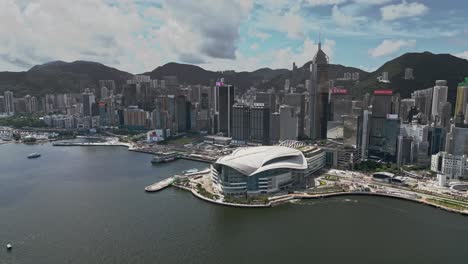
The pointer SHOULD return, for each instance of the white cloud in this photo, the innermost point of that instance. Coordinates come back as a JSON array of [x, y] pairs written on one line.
[[394, 12], [259, 34], [463, 55], [372, 2], [128, 35], [254, 46], [325, 2], [388, 47], [345, 20]]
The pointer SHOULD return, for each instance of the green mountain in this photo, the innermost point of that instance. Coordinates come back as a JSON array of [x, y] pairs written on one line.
[[303, 73], [191, 74], [60, 77], [427, 68]]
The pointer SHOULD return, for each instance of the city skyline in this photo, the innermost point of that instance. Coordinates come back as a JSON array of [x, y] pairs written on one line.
[[247, 35]]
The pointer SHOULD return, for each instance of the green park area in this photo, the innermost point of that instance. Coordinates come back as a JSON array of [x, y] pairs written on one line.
[[22, 121], [457, 205]]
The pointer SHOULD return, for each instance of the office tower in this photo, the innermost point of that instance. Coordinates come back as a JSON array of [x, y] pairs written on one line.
[[420, 144], [405, 151], [355, 76], [109, 84], [384, 126], [405, 106], [459, 141], [445, 114], [260, 124], [2, 104], [130, 94], [365, 133], [351, 130], [171, 84], [266, 98], [275, 128], [103, 115], [9, 104], [224, 103], [30, 104], [287, 85], [240, 124], [288, 123], [88, 100], [172, 114], [181, 114], [409, 74], [297, 101], [462, 98], [134, 118], [318, 95], [340, 103], [439, 96], [104, 92], [423, 101], [437, 138]]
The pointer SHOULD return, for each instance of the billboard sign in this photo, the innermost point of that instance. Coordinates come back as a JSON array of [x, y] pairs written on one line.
[[383, 92]]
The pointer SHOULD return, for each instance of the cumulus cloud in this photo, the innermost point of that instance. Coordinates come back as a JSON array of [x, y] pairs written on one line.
[[463, 55], [129, 35], [215, 22], [388, 47], [43, 30], [372, 2], [325, 2], [259, 34], [345, 20], [394, 12]]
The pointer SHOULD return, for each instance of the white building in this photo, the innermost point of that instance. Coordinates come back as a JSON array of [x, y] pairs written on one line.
[[452, 166], [258, 170]]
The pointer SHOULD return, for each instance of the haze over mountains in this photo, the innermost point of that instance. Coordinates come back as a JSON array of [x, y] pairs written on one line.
[[63, 77]]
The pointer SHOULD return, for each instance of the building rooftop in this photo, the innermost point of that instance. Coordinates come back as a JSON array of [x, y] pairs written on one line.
[[252, 160]]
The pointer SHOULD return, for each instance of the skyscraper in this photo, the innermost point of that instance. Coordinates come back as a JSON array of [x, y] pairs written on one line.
[[288, 123], [240, 123], [297, 101], [318, 95], [439, 96], [260, 124], [462, 98], [88, 101], [224, 103], [9, 105]]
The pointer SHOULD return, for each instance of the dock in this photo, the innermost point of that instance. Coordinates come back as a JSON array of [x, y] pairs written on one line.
[[157, 186]]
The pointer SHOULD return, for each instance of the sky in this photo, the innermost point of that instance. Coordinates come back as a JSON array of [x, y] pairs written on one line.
[[140, 35]]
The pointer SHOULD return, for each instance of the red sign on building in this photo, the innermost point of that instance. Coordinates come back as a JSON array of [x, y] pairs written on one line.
[[383, 92], [336, 90]]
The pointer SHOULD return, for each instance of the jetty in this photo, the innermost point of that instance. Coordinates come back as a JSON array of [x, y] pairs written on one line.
[[157, 186]]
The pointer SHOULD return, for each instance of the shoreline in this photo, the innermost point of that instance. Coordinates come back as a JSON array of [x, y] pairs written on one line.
[[297, 196], [280, 199]]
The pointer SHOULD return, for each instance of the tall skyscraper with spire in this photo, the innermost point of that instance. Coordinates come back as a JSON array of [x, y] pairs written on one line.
[[318, 95]]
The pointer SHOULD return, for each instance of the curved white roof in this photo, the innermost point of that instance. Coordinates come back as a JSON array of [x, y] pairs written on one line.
[[252, 160]]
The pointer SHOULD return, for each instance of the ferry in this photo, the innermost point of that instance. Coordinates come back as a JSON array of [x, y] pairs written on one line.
[[164, 157], [34, 155], [194, 170]]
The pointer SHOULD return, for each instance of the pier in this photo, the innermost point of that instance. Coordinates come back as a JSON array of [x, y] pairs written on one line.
[[157, 186]]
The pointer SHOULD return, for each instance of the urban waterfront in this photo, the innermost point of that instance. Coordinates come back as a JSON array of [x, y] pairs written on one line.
[[87, 205]]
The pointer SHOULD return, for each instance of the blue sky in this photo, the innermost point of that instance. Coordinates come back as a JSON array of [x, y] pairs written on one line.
[[139, 35]]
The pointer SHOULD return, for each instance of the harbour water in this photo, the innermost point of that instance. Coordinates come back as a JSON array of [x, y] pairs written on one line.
[[88, 205]]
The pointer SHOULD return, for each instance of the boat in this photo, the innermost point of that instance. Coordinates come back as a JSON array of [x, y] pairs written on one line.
[[164, 157], [34, 155], [9, 247], [194, 170]]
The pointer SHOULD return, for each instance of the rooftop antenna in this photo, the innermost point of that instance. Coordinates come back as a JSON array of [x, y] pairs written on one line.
[[320, 39]]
